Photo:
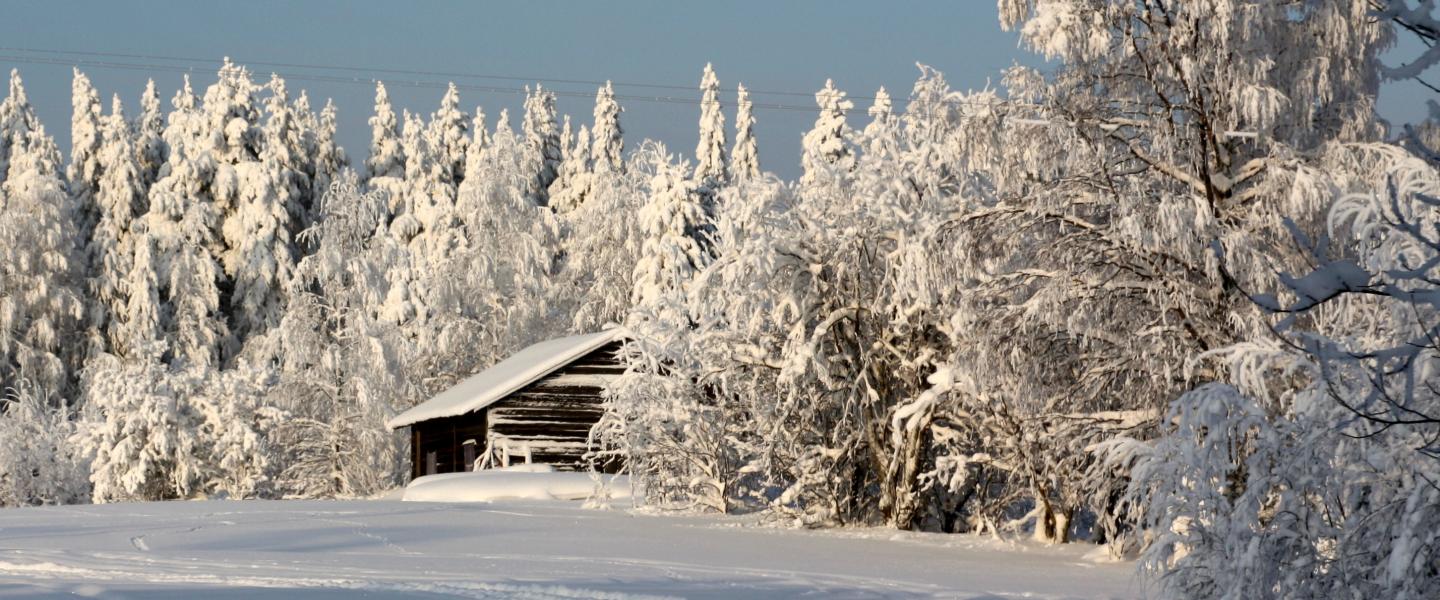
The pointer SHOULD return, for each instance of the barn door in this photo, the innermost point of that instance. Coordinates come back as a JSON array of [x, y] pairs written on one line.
[[469, 464]]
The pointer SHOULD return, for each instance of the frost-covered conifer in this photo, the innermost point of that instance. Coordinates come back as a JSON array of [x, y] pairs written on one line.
[[149, 135], [17, 120], [541, 130], [826, 147], [330, 158], [181, 223], [254, 193], [602, 245], [40, 306], [479, 139], [426, 220], [880, 136], [608, 143], [83, 173], [475, 156], [120, 200], [710, 164], [451, 136], [137, 323], [289, 150], [572, 184], [387, 156], [673, 224], [232, 113], [745, 158]]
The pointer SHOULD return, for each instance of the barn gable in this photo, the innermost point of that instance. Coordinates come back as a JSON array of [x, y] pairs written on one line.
[[549, 420]]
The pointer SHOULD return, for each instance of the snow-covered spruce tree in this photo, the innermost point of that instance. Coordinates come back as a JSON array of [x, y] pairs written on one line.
[[38, 463], [40, 302], [573, 183], [475, 155], [881, 135], [607, 137], [120, 200], [181, 227], [601, 247], [17, 120], [385, 164], [541, 130], [1311, 472], [253, 193], [665, 424], [149, 135], [341, 367], [826, 147], [138, 322], [83, 173], [451, 136], [288, 137], [567, 149], [428, 220], [711, 169], [493, 294], [745, 158], [329, 158], [387, 157], [479, 140]]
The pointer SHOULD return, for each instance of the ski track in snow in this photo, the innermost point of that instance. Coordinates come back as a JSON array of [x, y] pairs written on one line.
[[314, 550]]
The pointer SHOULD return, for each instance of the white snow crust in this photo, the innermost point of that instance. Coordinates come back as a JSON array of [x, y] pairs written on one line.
[[332, 550]]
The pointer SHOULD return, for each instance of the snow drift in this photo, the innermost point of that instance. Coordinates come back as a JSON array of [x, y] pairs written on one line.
[[527, 482]]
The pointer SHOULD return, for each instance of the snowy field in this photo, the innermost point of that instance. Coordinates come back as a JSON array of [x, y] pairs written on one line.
[[312, 550]]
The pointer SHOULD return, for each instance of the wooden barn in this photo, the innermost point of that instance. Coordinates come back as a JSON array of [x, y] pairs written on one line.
[[535, 406]]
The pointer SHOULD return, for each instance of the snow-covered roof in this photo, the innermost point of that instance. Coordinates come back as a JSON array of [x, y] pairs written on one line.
[[521, 369]]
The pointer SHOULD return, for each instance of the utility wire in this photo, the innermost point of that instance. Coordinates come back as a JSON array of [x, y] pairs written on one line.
[[67, 58], [367, 75], [366, 81], [425, 73]]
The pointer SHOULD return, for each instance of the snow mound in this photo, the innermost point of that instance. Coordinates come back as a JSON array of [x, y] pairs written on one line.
[[527, 482]]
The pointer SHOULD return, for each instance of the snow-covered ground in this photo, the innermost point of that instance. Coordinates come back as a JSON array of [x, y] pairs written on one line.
[[311, 550]]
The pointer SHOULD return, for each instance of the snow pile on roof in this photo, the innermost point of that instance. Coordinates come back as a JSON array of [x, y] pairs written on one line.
[[516, 483], [521, 369]]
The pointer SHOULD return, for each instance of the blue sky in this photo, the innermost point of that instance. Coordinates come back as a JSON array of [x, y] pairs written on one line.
[[768, 45]]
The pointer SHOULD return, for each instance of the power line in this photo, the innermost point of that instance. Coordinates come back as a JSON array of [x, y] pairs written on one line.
[[367, 81], [424, 73], [367, 75], [66, 58]]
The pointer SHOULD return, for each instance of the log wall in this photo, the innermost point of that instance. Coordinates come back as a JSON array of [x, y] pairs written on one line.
[[549, 420]]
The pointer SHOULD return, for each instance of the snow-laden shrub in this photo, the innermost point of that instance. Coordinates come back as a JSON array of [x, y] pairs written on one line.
[[38, 464]]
